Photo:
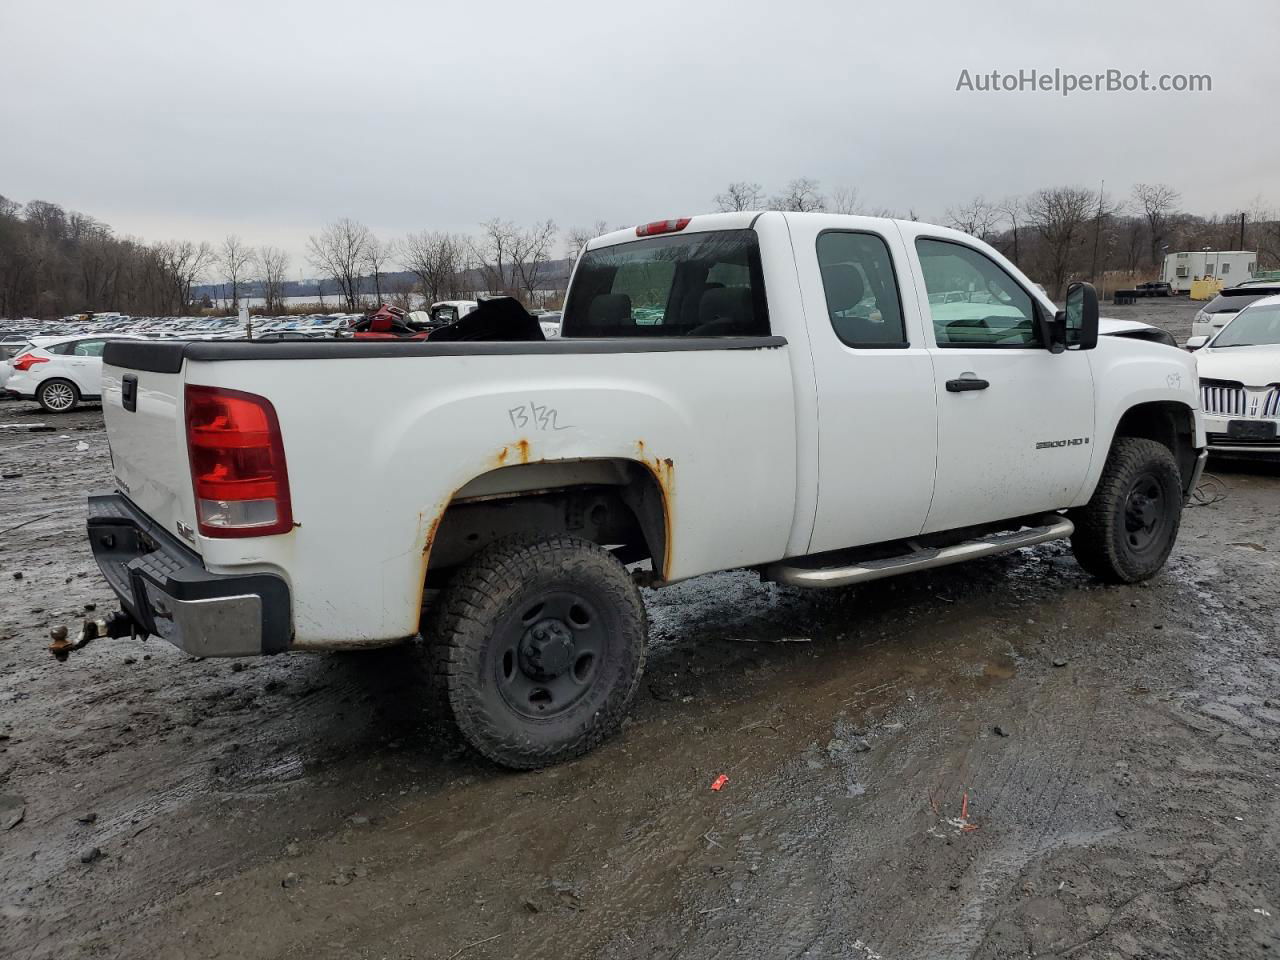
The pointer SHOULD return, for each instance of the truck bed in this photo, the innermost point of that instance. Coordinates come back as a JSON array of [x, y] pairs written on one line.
[[381, 437]]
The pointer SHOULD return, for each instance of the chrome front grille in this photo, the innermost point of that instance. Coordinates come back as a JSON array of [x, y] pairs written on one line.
[[1229, 399], [1220, 396]]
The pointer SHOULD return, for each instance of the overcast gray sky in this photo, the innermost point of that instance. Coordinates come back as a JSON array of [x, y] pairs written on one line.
[[170, 119]]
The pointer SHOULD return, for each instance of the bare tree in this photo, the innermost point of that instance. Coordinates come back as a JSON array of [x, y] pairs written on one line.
[[530, 254], [740, 195], [436, 259], [233, 258], [184, 263], [800, 196], [340, 251], [376, 256], [978, 217], [846, 200], [492, 252], [1012, 210], [1156, 201], [577, 238], [271, 264], [1060, 216]]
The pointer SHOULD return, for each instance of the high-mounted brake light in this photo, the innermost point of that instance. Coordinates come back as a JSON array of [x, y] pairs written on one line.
[[662, 226], [237, 464], [27, 361]]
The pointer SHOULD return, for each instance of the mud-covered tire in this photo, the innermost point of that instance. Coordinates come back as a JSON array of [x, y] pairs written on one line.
[[510, 618], [58, 396], [1126, 531]]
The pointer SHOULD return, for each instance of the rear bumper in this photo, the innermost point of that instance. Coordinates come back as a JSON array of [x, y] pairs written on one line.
[[165, 588]]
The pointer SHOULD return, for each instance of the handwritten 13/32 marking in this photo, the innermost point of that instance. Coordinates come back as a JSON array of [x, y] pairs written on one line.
[[537, 415]]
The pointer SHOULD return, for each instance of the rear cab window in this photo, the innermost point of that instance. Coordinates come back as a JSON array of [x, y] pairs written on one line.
[[861, 290], [707, 284]]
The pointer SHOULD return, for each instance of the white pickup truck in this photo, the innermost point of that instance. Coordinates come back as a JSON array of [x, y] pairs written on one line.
[[824, 399]]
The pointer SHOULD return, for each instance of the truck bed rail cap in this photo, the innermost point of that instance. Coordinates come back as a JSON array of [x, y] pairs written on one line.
[[167, 356]]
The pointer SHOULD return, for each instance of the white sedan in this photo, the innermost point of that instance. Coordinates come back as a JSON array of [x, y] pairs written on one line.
[[1240, 381], [59, 372]]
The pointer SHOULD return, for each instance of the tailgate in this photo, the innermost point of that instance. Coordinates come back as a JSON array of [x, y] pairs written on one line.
[[142, 388]]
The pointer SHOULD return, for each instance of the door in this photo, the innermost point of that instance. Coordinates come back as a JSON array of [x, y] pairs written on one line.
[[877, 412], [1015, 421], [84, 364]]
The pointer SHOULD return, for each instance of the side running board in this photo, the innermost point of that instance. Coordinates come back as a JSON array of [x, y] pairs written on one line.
[[796, 574]]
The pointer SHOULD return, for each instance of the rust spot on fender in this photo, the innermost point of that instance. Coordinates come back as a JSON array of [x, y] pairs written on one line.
[[517, 452], [431, 534], [664, 471]]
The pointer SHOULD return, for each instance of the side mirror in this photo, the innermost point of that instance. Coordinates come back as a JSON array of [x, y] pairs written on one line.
[[1079, 321], [1195, 343]]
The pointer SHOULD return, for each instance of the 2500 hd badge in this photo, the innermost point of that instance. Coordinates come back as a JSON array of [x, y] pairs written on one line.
[[1073, 442]]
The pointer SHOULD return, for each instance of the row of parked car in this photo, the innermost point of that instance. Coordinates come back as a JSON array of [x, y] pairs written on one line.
[[59, 365]]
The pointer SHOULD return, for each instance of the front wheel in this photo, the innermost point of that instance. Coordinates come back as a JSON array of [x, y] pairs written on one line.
[[1126, 531], [537, 647], [58, 396]]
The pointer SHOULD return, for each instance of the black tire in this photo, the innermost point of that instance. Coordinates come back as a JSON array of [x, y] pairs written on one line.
[[58, 396], [1125, 532], [536, 649]]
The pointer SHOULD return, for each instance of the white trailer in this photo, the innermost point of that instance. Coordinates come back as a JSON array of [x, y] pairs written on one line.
[[1229, 266]]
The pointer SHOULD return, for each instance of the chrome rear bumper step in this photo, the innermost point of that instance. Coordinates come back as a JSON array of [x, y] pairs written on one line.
[[1049, 527]]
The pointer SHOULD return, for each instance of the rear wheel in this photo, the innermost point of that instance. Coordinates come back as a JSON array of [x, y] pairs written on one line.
[[58, 396], [1126, 531], [537, 648]]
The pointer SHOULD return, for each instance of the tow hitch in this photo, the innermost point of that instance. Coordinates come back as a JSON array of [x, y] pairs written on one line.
[[113, 625]]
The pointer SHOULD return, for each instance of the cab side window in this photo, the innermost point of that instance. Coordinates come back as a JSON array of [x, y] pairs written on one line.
[[861, 290], [972, 300]]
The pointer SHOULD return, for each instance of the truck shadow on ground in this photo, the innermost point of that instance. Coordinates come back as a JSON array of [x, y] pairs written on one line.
[[713, 640]]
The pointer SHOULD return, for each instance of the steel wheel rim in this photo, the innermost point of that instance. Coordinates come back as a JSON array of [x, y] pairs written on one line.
[[58, 396], [1145, 513], [550, 652]]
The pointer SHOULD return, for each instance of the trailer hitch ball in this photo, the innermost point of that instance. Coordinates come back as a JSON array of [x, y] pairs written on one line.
[[116, 624]]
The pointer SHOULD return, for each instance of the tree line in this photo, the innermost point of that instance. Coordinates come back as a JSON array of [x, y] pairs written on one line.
[[1058, 234], [54, 262]]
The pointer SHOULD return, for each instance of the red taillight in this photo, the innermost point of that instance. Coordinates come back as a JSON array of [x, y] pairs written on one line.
[[27, 360], [662, 226], [237, 464]]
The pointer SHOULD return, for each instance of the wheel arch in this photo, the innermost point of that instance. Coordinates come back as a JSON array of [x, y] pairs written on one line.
[[615, 502], [1168, 422]]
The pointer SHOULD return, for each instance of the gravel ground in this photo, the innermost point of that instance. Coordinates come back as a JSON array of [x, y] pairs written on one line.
[[1004, 759]]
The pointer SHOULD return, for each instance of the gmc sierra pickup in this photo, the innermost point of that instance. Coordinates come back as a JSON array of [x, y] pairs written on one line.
[[824, 399]]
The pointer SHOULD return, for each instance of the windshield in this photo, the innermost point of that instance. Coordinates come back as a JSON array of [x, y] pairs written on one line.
[[1251, 328], [699, 284]]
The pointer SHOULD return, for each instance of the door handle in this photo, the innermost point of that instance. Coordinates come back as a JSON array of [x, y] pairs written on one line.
[[965, 383]]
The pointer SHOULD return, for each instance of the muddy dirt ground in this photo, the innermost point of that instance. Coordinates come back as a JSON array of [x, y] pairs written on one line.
[[999, 760]]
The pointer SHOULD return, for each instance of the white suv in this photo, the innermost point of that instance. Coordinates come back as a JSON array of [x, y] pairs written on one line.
[[59, 372]]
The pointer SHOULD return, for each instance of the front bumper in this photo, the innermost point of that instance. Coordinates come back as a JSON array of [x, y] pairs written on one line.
[[1216, 431], [167, 591]]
